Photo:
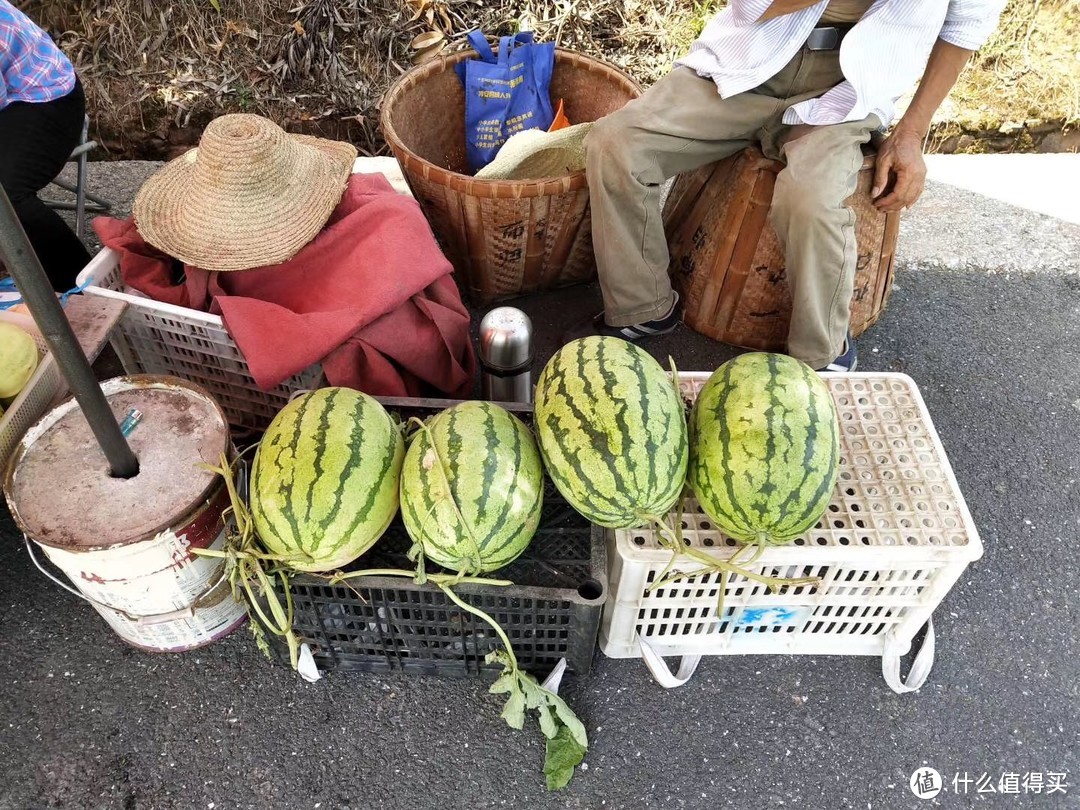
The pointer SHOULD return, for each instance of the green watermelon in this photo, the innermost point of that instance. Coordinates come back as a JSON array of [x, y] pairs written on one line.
[[764, 448], [612, 431], [324, 483], [472, 487]]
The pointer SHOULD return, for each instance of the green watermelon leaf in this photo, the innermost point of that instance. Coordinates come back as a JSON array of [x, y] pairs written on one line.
[[570, 721], [548, 724], [564, 753], [257, 631], [535, 695], [503, 684], [514, 710]]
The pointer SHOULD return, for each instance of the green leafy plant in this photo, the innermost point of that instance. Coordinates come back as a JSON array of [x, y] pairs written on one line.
[[567, 740]]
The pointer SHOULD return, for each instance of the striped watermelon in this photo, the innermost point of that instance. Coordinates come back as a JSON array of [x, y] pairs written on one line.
[[764, 448], [472, 487], [324, 484], [612, 431]]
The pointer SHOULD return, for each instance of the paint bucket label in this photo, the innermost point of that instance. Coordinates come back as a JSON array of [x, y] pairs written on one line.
[[160, 595]]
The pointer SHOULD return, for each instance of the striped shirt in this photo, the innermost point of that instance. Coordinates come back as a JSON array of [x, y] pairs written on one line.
[[32, 68], [882, 57]]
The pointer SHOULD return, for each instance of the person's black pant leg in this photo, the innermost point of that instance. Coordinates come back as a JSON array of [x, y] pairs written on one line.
[[36, 139]]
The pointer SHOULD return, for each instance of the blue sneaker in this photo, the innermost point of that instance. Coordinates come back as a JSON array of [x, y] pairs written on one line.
[[846, 361]]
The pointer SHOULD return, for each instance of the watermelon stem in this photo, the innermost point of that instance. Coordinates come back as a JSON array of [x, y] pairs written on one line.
[[453, 597], [672, 538], [774, 584], [438, 579], [245, 566], [674, 376], [567, 740]]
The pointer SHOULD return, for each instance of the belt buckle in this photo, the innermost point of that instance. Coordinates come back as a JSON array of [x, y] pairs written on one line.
[[826, 38]]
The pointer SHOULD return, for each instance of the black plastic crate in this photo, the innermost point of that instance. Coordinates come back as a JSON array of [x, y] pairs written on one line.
[[391, 624]]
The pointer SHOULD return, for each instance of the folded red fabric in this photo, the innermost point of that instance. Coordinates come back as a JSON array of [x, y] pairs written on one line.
[[371, 297]]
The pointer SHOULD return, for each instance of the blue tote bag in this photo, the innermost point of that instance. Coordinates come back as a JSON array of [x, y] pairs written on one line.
[[504, 94]]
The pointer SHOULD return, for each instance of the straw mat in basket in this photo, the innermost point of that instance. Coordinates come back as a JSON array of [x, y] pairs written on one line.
[[249, 195], [534, 154]]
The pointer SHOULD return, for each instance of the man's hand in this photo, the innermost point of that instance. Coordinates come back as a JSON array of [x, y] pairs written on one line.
[[899, 160], [900, 156]]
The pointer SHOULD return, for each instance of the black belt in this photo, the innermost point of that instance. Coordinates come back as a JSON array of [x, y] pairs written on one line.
[[827, 37]]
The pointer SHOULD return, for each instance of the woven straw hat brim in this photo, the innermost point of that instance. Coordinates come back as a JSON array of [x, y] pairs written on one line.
[[265, 217], [535, 154]]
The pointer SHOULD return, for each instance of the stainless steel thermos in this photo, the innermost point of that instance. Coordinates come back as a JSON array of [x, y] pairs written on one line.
[[506, 355]]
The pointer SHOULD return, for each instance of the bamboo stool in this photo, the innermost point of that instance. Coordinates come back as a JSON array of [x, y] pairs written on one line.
[[727, 263]]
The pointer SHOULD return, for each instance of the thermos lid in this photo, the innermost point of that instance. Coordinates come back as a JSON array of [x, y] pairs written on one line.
[[506, 339]]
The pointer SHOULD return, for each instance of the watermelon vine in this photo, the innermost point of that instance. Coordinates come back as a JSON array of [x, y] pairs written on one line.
[[252, 571], [566, 738], [567, 741], [672, 539]]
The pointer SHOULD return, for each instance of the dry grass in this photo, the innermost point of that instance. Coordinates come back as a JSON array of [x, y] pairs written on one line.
[[1029, 70], [151, 69], [1022, 88], [155, 73]]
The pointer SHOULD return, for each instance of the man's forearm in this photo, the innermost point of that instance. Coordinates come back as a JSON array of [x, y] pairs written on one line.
[[943, 68]]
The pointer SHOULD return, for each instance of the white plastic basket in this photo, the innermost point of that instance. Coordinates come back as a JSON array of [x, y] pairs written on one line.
[[44, 387], [157, 338], [895, 538]]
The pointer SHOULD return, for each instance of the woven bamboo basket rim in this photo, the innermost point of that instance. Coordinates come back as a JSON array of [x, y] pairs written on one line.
[[466, 183]]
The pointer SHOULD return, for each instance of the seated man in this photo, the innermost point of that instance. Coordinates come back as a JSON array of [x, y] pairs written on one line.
[[41, 118], [773, 72]]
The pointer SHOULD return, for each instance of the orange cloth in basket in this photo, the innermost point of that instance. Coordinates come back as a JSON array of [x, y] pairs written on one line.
[[371, 297], [561, 121]]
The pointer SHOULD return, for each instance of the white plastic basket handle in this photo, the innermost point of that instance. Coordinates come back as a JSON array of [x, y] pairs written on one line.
[[554, 680], [661, 673], [890, 664], [920, 667]]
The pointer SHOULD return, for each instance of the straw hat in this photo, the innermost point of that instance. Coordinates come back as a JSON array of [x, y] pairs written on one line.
[[534, 154], [249, 195]]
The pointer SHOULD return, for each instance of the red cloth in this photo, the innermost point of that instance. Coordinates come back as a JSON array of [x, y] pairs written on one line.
[[371, 297]]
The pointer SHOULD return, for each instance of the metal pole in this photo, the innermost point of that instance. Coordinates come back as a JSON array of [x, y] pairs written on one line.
[[34, 286]]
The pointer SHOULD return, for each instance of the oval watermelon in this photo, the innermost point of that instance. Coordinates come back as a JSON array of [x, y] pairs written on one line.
[[764, 448], [324, 483], [612, 431], [472, 487]]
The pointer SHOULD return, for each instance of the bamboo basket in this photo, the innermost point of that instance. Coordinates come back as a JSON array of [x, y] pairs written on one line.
[[727, 262], [503, 237]]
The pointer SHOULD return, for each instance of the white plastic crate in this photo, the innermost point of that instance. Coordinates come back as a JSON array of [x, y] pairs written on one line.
[[157, 338], [46, 385], [895, 538]]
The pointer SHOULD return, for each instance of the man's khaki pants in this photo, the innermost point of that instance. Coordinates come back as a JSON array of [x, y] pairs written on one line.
[[682, 123]]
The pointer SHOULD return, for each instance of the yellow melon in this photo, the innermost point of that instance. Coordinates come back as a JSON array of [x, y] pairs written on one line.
[[18, 359]]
